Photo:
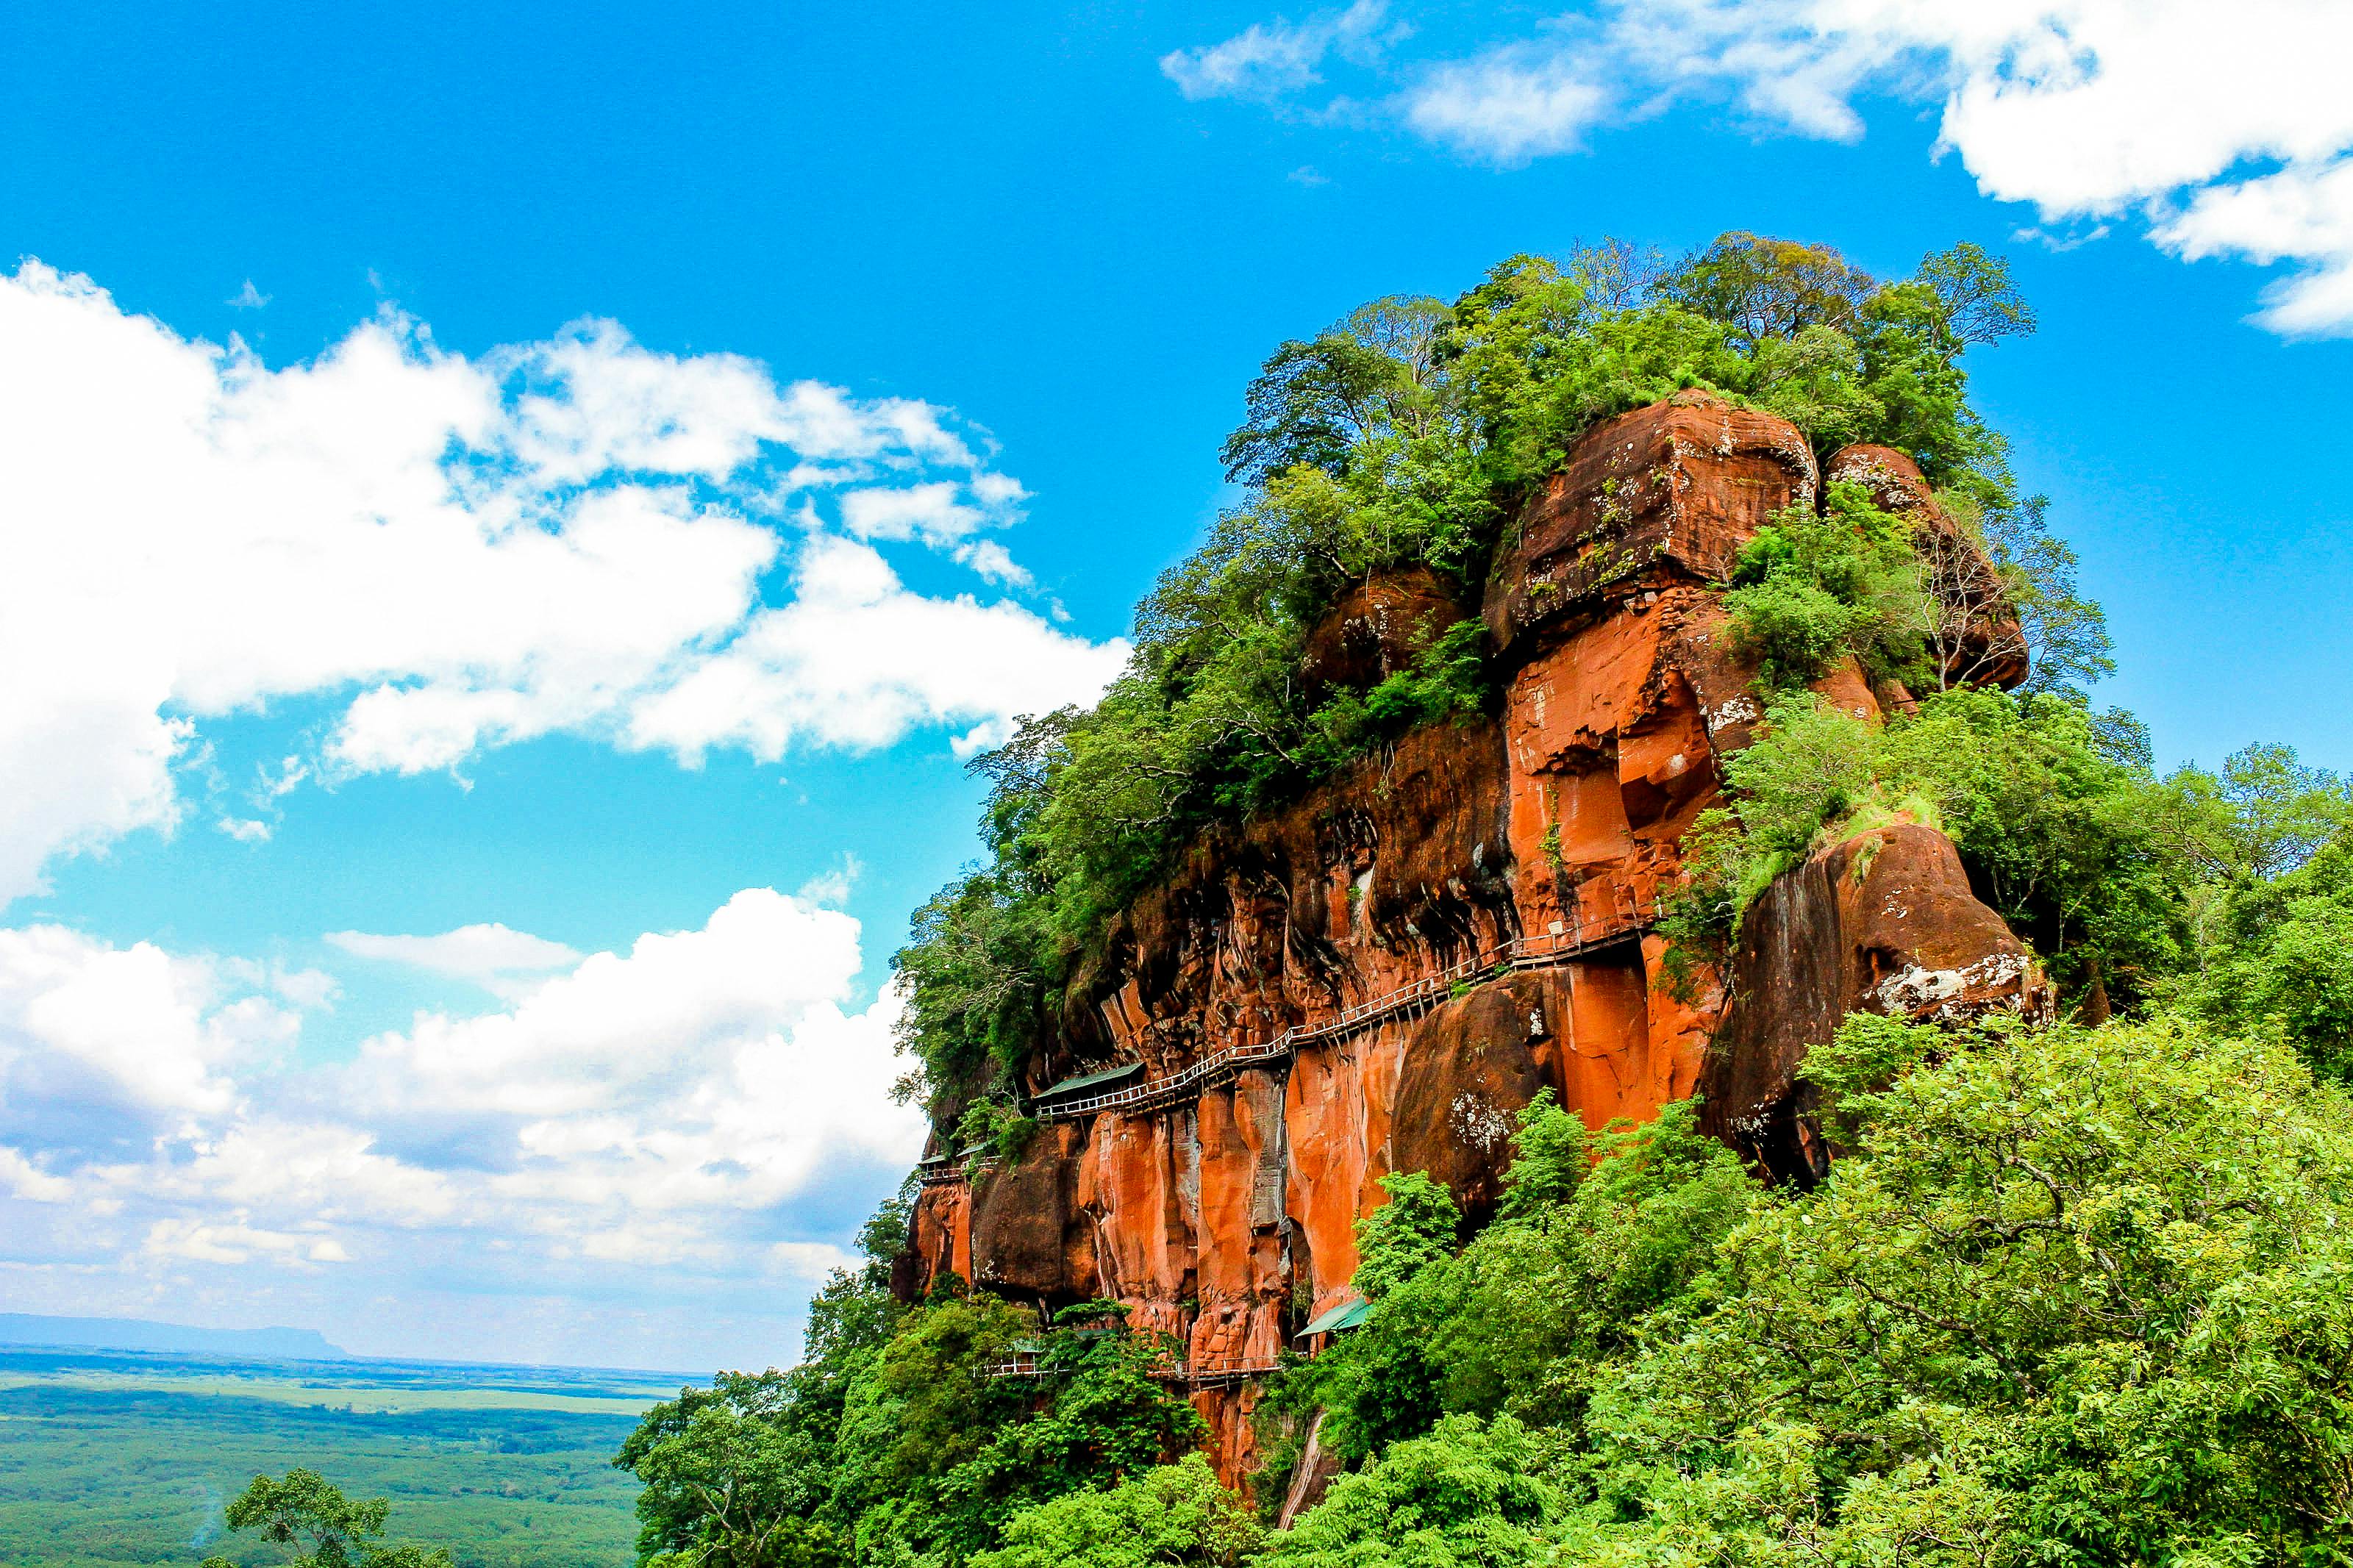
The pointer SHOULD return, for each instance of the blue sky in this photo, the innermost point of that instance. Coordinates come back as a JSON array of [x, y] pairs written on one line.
[[646, 729]]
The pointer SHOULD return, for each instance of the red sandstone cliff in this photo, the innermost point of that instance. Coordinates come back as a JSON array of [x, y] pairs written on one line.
[[1227, 1218]]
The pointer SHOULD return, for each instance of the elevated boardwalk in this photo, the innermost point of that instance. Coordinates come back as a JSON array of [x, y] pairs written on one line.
[[1520, 955], [1220, 1372]]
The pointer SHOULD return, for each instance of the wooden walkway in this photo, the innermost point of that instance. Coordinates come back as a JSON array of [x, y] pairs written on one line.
[[1220, 1372], [1408, 1001]]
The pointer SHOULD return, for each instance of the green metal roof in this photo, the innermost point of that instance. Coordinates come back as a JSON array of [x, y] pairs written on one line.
[[1091, 1080], [1347, 1315]]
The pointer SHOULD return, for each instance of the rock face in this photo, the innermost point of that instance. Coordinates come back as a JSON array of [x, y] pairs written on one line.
[[1227, 1219]]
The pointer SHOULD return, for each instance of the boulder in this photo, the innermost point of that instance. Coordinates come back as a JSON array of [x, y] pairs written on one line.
[[1883, 922], [1666, 493]]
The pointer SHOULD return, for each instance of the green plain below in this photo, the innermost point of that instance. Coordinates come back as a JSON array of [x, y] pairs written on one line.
[[366, 1398], [108, 1461]]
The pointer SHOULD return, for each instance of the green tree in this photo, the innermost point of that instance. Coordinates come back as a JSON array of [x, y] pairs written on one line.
[[1172, 1516], [1416, 1228], [2096, 1279], [319, 1527], [1469, 1493], [2279, 956]]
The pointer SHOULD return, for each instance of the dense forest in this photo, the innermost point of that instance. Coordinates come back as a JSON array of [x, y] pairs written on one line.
[[2080, 1292]]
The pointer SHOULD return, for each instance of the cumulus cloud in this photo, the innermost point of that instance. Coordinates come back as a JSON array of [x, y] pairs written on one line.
[[1270, 59], [2225, 131], [856, 660], [1510, 105], [492, 955], [455, 553], [654, 1105], [104, 1047]]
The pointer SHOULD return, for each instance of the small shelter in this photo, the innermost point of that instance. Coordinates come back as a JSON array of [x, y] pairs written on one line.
[[1085, 1084], [1338, 1320]]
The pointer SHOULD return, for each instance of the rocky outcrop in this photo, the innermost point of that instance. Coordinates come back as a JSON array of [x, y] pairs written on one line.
[[1665, 494], [1377, 627], [1976, 638], [1883, 922], [1227, 1219]]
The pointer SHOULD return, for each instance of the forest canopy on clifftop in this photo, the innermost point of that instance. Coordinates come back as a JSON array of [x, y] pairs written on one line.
[[1408, 434]]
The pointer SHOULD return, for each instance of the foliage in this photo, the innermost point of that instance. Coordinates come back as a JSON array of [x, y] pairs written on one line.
[[1467, 1493], [2059, 835], [2101, 1274], [320, 1527], [997, 1131], [1595, 1230], [1415, 1228], [2263, 815], [1814, 587], [890, 1441], [2280, 958], [2068, 1295], [1171, 1516]]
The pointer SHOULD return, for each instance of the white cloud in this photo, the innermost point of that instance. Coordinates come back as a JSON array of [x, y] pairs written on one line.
[[856, 660], [988, 559], [1509, 106], [2225, 129], [236, 1242], [23, 1179], [495, 956], [459, 552], [832, 887], [917, 511], [135, 1033], [1270, 59], [650, 1105]]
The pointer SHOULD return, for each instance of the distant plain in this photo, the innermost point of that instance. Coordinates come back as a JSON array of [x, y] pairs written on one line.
[[115, 1457]]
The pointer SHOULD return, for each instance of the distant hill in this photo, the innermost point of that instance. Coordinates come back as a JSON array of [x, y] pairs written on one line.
[[138, 1334]]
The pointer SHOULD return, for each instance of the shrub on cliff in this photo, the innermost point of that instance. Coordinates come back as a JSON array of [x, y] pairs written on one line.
[[1814, 587], [2060, 826], [1595, 1231]]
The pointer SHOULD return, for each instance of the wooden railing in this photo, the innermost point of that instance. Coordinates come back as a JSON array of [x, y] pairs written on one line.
[[1520, 953], [1217, 1372]]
